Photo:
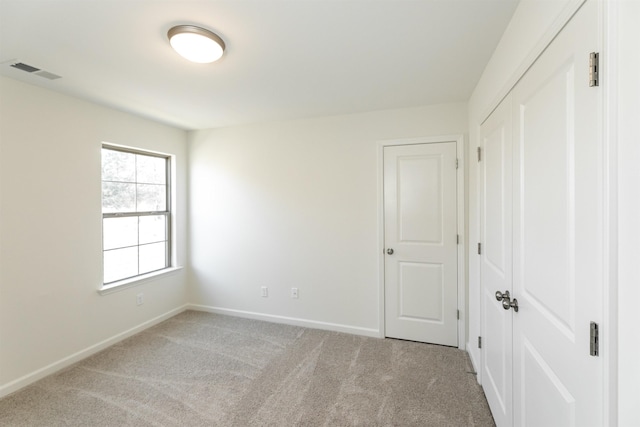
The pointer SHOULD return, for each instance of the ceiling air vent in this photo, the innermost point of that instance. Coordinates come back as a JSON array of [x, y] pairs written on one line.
[[25, 67], [35, 71]]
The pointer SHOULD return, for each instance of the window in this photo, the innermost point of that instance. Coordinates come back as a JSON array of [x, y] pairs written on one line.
[[135, 213]]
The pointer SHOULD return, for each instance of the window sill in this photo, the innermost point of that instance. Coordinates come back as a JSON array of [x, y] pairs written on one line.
[[135, 281]]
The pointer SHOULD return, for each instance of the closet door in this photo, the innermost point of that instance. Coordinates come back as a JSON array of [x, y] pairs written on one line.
[[558, 233], [495, 261]]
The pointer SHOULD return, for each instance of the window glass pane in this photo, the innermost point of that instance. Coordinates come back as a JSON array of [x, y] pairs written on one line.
[[153, 229], [118, 166], [120, 264], [151, 170], [118, 197], [153, 257], [134, 245], [119, 232], [151, 197]]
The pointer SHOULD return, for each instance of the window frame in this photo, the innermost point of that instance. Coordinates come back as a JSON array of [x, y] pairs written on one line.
[[167, 213]]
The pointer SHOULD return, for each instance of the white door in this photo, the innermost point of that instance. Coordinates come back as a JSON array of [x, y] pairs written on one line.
[[537, 368], [420, 218], [496, 260], [558, 233]]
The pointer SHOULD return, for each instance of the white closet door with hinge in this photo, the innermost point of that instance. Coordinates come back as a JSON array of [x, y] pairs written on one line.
[[558, 233], [496, 260]]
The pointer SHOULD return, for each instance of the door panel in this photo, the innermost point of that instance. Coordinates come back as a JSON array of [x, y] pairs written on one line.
[[422, 291], [552, 395], [558, 225], [496, 260], [420, 227], [496, 368], [548, 210], [420, 199]]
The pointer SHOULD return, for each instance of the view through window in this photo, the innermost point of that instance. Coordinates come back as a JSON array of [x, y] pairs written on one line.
[[135, 213]]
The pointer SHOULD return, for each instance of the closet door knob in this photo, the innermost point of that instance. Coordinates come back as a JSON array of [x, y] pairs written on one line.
[[389, 251], [506, 304], [502, 296]]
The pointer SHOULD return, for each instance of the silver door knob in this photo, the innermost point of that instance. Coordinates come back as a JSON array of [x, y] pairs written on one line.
[[507, 304], [389, 251], [502, 296], [505, 297]]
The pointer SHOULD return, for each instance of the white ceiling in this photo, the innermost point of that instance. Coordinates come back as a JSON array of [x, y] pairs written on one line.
[[285, 59]]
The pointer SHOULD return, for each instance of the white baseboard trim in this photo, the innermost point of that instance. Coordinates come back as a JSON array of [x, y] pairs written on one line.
[[313, 324], [25, 380], [475, 364]]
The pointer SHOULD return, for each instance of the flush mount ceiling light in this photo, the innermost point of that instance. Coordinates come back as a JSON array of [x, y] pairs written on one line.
[[196, 44]]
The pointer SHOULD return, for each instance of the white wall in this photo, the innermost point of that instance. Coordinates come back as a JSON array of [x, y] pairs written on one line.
[[525, 36], [50, 230], [628, 97], [296, 204]]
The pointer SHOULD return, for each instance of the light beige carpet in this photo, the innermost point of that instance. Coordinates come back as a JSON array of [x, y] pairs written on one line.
[[201, 369]]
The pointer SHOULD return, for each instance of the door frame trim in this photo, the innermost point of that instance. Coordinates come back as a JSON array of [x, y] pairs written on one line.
[[460, 225]]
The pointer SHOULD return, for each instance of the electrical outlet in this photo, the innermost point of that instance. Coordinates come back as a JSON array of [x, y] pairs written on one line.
[[294, 293], [265, 291], [139, 299]]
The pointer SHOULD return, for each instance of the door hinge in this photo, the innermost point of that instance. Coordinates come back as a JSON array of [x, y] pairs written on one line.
[[594, 69], [458, 314], [479, 153], [479, 248], [594, 340], [456, 163], [479, 342], [457, 239]]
